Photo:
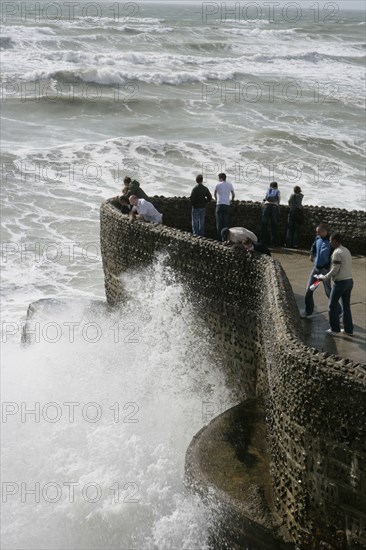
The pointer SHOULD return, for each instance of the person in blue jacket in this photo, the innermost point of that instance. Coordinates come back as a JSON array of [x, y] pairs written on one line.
[[270, 213], [320, 255]]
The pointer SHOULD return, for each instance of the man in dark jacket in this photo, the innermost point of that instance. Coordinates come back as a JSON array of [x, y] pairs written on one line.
[[200, 197], [133, 188]]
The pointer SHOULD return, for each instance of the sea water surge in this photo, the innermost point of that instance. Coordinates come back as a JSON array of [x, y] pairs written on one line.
[[160, 93], [99, 462]]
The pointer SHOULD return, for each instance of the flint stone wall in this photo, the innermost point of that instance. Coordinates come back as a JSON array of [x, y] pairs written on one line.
[[315, 403], [351, 225]]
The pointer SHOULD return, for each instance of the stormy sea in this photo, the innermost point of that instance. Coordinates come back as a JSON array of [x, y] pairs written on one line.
[[98, 410]]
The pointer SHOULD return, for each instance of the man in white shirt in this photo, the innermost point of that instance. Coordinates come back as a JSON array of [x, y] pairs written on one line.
[[144, 210], [236, 235], [341, 273], [224, 191]]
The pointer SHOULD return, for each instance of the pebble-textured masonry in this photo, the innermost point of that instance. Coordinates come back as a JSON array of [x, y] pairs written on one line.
[[315, 403], [352, 225]]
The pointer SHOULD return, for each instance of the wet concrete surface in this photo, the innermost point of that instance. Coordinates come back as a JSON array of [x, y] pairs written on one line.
[[297, 266]]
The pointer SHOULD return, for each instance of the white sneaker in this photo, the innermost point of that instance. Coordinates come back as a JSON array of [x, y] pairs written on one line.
[[329, 331]]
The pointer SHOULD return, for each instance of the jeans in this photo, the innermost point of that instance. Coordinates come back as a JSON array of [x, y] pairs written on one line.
[[341, 290], [198, 221], [270, 213], [222, 218], [309, 296], [292, 231]]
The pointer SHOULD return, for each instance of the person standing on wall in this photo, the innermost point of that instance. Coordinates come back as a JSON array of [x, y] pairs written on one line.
[[320, 256], [199, 198], [295, 218], [341, 273], [270, 213], [223, 191]]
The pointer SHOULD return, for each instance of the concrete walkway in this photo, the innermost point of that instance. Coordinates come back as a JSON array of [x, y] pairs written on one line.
[[297, 266]]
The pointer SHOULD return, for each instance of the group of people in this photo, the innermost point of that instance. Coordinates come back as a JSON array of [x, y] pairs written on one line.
[[136, 204], [332, 261], [224, 193]]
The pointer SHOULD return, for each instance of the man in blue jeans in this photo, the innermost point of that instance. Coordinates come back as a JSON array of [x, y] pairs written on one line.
[[320, 256], [341, 273], [223, 191], [200, 197]]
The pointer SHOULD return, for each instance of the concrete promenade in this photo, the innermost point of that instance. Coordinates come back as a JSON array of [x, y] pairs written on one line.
[[297, 266]]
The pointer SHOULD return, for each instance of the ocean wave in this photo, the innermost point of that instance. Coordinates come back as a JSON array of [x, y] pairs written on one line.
[[208, 46], [246, 22], [167, 60], [100, 22], [19, 32], [313, 142], [176, 161], [110, 77], [310, 57], [127, 29], [174, 69], [280, 33], [129, 25]]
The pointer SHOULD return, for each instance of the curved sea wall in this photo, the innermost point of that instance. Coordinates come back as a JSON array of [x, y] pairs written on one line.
[[351, 225], [315, 404]]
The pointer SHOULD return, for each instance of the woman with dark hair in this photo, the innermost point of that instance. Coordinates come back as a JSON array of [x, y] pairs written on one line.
[[295, 218], [271, 213]]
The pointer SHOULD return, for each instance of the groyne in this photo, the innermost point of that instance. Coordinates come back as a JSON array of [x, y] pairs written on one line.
[[314, 403]]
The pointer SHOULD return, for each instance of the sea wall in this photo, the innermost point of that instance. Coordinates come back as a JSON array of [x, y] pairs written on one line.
[[351, 225], [315, 404]]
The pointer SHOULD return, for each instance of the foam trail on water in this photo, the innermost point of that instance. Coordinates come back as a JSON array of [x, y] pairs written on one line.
[[160, 384]]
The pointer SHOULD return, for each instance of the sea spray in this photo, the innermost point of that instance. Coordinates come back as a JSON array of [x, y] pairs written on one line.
[[96, 448]]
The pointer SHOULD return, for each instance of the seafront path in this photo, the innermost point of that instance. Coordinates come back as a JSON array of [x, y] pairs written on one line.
[[297, 266]]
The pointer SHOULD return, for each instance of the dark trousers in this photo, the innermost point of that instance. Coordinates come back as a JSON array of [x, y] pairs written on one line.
[[292, 237], [222, 218], [309, 296], [341, 290], [270, 214]]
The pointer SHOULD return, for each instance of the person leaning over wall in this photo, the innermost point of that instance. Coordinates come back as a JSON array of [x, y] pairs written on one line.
[[295, 218], [341, 274], [122, 204], [200, 197], [144, 210], [251, 246], [270, 213], [236, 235]]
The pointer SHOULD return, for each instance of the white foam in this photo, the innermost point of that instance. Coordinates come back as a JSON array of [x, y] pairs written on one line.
[[167, 376]]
